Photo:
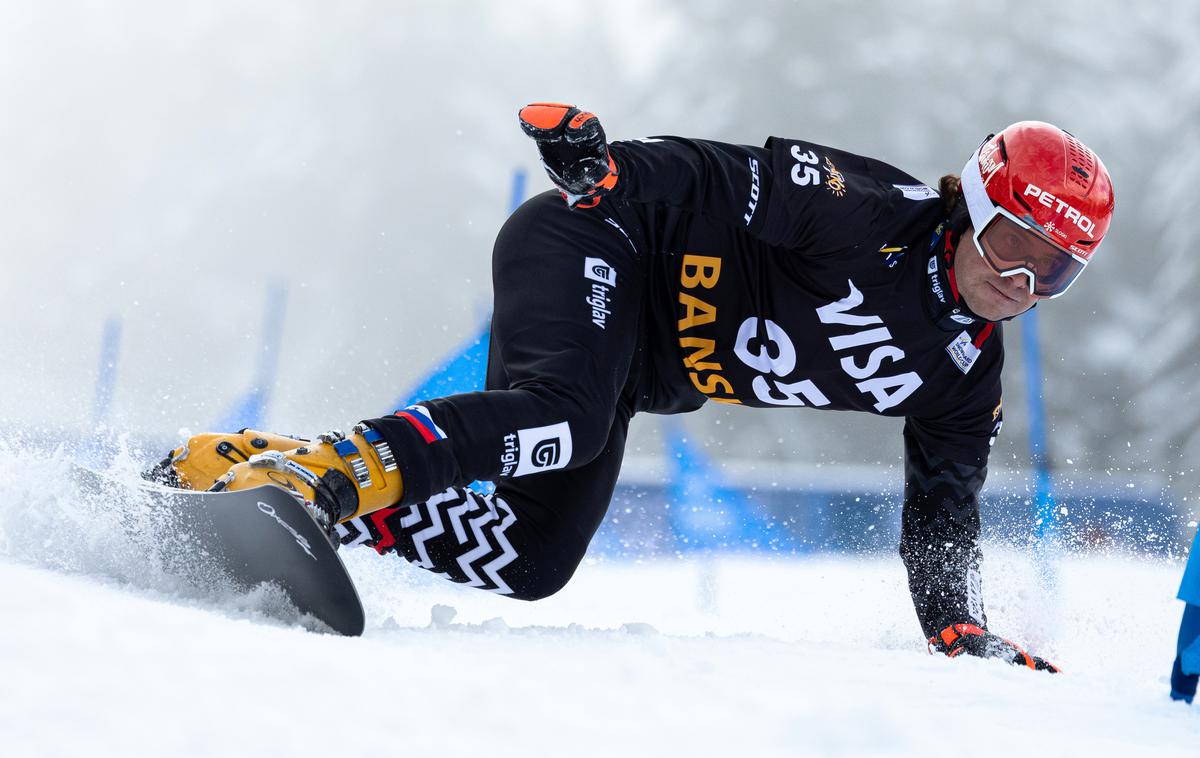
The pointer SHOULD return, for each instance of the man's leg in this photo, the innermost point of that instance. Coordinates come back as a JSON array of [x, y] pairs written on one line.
[[551, 427], [568, 298], [525, 541]]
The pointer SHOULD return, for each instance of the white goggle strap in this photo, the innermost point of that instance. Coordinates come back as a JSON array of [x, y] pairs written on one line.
[[979, 205], [982, 209]]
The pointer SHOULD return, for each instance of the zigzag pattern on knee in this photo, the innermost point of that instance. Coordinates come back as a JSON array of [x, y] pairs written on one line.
[[458, 534]]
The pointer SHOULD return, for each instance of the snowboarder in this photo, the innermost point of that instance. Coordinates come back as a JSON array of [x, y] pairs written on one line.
[[680, 271]]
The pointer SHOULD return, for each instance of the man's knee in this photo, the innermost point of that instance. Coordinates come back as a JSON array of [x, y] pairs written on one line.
[[547, 559], [590, 435], [539, 583], [580, 433]]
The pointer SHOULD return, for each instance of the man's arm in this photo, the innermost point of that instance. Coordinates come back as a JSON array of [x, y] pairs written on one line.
[[939, 540], [945, 465], [730, 183], [788, 193]]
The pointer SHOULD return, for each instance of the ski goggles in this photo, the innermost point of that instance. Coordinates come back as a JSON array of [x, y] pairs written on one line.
[[1013, 245]]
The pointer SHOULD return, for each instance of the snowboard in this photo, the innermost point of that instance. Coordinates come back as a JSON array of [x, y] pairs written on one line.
[[243, 539]]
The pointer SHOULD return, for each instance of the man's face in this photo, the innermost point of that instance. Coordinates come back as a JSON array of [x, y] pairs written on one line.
[[987, 294]]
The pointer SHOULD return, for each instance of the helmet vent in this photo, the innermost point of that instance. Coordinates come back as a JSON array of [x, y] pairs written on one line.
[[1083, 163], [1028, 208]]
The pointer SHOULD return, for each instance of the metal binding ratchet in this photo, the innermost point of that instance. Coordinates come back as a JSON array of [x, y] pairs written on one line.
[[331, 437], [351, 455], [382, 449]]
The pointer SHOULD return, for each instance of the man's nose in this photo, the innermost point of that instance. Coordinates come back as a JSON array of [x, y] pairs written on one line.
[[1018, 284]]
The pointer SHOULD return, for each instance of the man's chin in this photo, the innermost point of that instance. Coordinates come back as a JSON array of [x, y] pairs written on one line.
[[990, 312], [999, 315]]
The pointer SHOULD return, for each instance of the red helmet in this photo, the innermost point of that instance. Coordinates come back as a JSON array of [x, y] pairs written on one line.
[[1040, 202]]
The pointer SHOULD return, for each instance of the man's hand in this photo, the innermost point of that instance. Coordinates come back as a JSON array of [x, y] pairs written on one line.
[[957, 639], [574, 151]]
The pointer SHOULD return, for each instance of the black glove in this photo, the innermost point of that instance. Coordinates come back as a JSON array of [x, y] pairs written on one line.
[[574, 151], [957, 639]]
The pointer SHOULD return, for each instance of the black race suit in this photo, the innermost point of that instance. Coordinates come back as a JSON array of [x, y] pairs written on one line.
[[791, 275]]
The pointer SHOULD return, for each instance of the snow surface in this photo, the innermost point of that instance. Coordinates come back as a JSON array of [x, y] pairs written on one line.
[[734, 655]]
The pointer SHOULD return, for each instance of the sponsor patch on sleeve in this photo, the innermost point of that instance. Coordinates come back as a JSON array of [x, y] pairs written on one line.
[[543, 448], [963, 352], [917, 191]]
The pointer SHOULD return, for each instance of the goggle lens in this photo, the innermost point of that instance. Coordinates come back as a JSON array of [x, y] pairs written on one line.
[[1009, 246]]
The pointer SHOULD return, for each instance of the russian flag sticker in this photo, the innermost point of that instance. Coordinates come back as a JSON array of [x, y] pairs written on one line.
[[418, 416]]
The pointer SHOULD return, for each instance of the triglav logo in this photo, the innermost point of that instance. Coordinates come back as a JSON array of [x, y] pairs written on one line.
[[546, 453], [935, 282], [605, 277], [598, 270], [543, 448], [935, 285], [510, 456]]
